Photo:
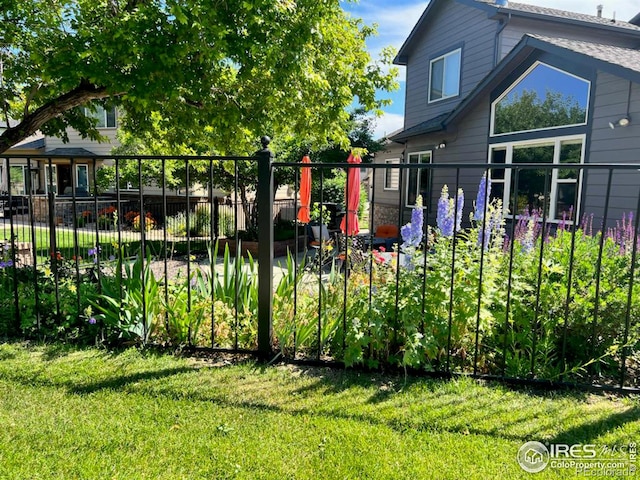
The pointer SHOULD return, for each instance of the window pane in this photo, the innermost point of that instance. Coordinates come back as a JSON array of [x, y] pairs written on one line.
[[111, 117], [498, 156], [83, 178], [437, 79], [418, 179], [546, 97], [531, 181], [18, 186], [569, 153], [391, 176], [497, 190], [452, 74], [565, 200]]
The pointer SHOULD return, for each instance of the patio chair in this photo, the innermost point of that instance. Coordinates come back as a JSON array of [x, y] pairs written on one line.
[[385, 236]]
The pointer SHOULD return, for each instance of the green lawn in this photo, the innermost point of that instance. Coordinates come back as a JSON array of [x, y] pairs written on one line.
[[86, 240], [72, 414]]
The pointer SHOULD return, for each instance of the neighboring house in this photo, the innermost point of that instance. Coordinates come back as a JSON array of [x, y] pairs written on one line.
[[481, 77], [33, 175]]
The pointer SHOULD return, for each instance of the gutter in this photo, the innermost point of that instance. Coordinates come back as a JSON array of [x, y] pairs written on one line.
[[501, 26]]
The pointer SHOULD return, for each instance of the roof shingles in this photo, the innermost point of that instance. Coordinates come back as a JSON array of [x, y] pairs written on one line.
[[561, 14]]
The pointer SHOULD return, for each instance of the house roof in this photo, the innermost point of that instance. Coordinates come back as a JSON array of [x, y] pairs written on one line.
[[527, 11], [623, 62], [435, 124], [29, 144], [71, 152], [553, 14]]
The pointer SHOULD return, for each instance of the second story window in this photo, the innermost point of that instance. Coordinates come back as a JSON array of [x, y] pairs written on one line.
[[106, 117], [444, 76]]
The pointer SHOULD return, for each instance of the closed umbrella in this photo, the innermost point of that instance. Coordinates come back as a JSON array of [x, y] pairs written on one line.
[[305, 191], [349, 224]]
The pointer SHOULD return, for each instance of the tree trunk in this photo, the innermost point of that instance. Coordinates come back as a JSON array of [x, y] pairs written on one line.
[[33, 121]]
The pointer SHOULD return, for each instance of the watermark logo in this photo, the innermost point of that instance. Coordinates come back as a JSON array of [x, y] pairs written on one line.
[[533, 457], [589, 460]]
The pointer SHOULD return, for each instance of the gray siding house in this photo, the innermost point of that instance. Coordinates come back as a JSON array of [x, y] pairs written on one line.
[[510, 83]]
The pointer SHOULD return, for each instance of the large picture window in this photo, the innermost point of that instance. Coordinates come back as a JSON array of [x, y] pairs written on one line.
[[543, 97], [444, 76], [554, 191], [418, 178]]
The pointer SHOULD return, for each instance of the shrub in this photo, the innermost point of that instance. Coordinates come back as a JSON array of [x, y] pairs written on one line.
[[177, 225]]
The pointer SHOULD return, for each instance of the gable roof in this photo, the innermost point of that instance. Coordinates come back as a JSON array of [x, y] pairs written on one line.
[[525, 11], [619, 61]]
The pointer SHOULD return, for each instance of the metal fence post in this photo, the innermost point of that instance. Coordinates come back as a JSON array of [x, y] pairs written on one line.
[[265, 251]]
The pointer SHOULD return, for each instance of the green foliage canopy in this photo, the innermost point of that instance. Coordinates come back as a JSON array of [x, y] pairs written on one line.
[[219, 73]]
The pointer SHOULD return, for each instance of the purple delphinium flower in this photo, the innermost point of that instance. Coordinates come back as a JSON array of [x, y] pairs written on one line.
[[484, 193], [412, 232], [458, 208], [93, 251], [444, 218]]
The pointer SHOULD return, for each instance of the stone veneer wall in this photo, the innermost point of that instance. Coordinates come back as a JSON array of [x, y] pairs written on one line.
[[384, 215]]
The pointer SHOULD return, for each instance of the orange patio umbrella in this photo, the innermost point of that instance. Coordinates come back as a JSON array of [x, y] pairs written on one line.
[[349, 224], [305, 191]]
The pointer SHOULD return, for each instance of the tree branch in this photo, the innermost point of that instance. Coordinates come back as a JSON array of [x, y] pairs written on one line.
[[30, 123]]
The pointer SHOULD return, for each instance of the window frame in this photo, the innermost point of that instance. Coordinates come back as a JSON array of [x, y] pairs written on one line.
[[388, 186], [443, 57], [557, 142], [420, 154], [509, 89]]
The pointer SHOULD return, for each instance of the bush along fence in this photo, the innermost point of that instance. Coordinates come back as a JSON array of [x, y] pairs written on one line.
[[468, 289]]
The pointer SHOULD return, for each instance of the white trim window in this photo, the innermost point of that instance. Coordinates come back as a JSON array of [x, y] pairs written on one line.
[[555, 190], [106, 117], [82, 178], [391, 175], [418, 179], [444, 76]]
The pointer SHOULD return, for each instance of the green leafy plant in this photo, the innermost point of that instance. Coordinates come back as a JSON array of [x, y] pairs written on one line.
[[130, 304]]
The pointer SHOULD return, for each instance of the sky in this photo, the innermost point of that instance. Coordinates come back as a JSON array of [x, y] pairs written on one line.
[[396, 18]]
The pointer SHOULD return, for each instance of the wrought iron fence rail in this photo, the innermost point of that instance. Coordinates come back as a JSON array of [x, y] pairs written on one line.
[[533, 300]]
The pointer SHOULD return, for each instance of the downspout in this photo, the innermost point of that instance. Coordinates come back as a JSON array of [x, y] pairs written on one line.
[[496, 50]]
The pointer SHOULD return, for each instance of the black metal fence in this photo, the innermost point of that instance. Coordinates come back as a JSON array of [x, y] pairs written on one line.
[[545, 296]]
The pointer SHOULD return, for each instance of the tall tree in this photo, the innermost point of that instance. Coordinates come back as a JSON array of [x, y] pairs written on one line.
[[219, 73]]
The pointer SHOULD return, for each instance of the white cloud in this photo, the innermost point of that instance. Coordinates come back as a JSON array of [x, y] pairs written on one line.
[[388, 123]]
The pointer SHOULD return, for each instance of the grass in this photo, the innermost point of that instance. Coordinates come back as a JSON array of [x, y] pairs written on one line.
[[86, 239], [88, 413]]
